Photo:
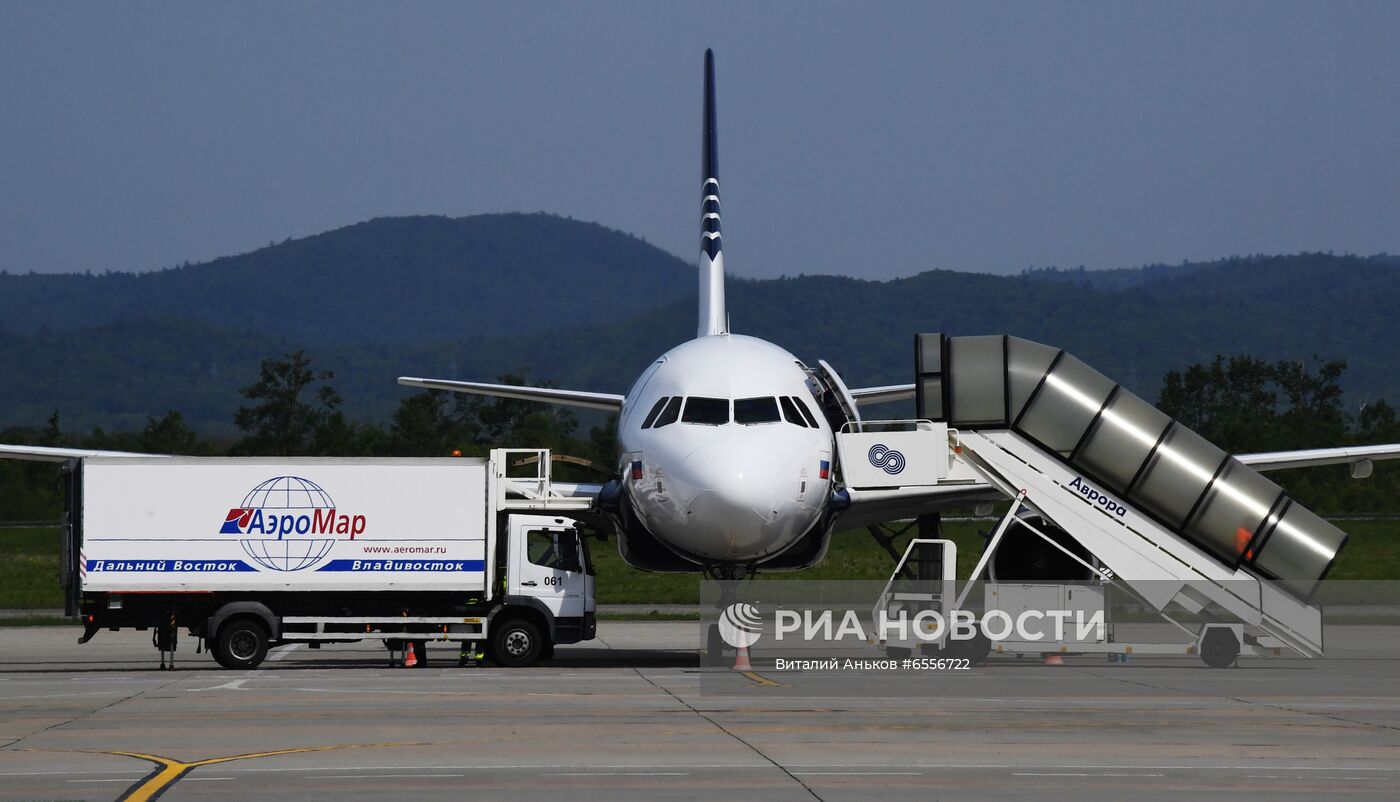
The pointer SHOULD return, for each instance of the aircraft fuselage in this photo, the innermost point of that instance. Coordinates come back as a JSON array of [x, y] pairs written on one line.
[[726, 456]]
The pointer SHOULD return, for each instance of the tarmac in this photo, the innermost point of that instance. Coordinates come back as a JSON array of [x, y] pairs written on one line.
[[632, 715]]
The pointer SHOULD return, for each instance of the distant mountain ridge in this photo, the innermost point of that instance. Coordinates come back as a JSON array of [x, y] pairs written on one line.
[[399, 279], [1124, 277], [475, 297]]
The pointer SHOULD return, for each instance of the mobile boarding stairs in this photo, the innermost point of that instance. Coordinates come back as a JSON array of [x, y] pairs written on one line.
[[1165, 515]]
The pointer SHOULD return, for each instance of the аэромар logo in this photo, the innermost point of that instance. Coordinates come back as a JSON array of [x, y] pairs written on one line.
[[289, 524]]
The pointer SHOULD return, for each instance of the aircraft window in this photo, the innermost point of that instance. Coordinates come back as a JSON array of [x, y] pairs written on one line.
[[656, 410], [806, 413], [710, 411], [756, 410], [669, 414], [790, 411]]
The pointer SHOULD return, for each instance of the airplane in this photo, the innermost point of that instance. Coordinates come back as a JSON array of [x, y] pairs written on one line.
[[727, 440]]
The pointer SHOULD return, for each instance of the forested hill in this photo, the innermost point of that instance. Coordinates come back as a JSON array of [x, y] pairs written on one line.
[[587, 307], [403, 279]]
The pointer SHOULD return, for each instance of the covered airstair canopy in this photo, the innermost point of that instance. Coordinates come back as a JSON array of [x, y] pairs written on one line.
[[1114, 438]]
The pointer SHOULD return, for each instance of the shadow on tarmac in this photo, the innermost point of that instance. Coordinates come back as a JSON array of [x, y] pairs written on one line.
[[304, 660]]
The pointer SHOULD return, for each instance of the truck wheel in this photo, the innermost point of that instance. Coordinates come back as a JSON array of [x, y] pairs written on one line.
[[1220, 648], [240, 644], [975, 650], [516, 643]]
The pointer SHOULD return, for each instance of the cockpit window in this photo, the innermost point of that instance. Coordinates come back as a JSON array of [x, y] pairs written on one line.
[[709, 411], [806, 413], [790, 411], [669, 414], [756, 410], [656, 410]]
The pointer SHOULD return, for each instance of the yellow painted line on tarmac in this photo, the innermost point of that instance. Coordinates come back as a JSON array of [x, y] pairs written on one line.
[[168, 770], [762, 681]]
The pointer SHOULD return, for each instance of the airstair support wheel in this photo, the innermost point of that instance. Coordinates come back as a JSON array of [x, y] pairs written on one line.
[[1220, 648], [1127, 447]]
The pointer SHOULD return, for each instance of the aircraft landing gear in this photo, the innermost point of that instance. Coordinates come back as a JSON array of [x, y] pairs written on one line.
[[728, 577]]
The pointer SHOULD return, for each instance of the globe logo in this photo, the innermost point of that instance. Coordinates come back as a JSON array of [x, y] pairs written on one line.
[[291, 499], [740, 625]]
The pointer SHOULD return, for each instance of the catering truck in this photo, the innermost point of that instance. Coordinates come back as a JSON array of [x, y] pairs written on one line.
[[249, 553]]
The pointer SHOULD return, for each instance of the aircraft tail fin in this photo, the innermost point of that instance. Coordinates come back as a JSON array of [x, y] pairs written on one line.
[[714, 319]]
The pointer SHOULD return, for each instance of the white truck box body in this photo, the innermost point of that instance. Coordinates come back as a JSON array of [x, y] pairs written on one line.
[[276, 524]]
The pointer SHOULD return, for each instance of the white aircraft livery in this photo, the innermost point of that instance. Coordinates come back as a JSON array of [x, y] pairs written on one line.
[[727, 449], [727, 440]]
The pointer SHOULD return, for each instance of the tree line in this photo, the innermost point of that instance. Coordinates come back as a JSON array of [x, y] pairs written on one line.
[[1240, 403], [293, 409]]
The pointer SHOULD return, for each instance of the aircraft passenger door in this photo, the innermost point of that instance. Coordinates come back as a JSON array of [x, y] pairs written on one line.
[[549, 565], [841, 395]]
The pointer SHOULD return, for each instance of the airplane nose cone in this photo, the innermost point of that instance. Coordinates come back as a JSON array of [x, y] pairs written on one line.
[[743, 505]]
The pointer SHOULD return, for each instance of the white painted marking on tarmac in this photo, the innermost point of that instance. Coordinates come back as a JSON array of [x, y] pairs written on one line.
[[382, 692], [1306, 777], [857, 773], [344, 770], [67, 773], [790, 766], [207, 779], [231, 685], [1078, 774], [117, 780], [64, 695], [282, 652], [357, 776], [98, 679], [621, 774]]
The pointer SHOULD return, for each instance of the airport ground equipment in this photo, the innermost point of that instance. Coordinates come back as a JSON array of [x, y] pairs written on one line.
[[1128, 495], [249, 553]]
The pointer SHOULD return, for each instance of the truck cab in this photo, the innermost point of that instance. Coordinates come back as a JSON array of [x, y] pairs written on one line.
[[548, 569]]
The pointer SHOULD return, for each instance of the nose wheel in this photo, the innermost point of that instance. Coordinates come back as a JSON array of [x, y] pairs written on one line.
[[728, 577]]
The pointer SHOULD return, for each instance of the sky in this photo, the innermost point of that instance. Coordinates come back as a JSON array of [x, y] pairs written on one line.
[[872, 140]]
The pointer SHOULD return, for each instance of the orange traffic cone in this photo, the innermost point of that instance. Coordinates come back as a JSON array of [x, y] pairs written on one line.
[[1054, 660], [741, 661], [410, 659]]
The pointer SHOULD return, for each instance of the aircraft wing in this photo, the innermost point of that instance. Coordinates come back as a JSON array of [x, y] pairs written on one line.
[[1359, 457], [47, 454], [879, 395], [609, 402]]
